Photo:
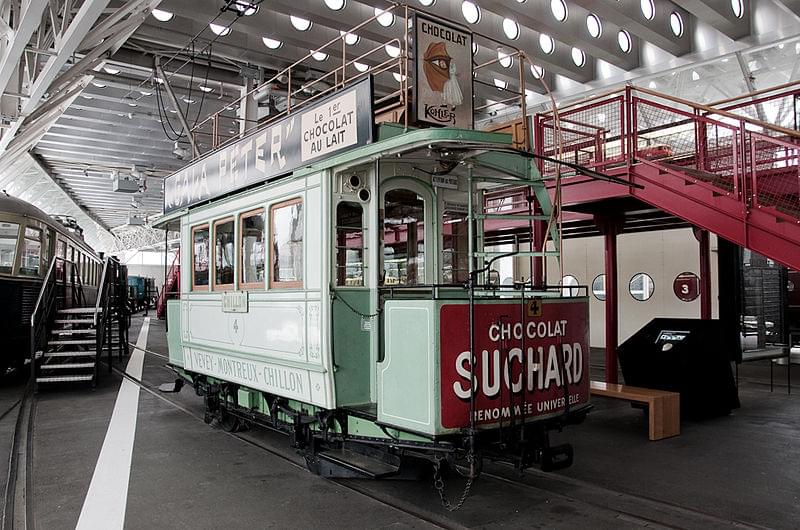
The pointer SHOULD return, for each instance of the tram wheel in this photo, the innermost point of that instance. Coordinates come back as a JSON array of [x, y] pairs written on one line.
[[228, 422]]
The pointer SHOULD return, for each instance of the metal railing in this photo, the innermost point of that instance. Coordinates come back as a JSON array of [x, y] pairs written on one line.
[[111, 302], [47, 304]]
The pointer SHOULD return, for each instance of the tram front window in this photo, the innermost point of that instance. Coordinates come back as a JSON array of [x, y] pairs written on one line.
[[224, 251], [200, 257], [8, 246], [403, 238], [349, 245], [455, 241], [31, 252]]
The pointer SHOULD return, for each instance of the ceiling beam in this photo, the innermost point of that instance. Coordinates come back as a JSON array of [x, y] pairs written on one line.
[[719, 15], [29, 20]]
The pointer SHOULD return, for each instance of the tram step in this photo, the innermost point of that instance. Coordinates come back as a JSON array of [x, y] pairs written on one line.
[[355, 463], [66, 366], [64, 378], [78, 311], [79, 342], [87, 353]]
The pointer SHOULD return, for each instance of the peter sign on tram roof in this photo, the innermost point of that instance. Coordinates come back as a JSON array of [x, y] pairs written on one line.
[[340, 122]]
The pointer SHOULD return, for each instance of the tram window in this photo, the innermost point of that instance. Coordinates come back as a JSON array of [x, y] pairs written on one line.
[[8, 246], [641, 286], [61, 252], [253, 264], [455, 254], [403, 238], [349, 245], [200, 258], [31, 252], [224, 252], [286, 242]]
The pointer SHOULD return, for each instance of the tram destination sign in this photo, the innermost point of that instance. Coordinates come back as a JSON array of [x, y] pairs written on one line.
[[338, 123]]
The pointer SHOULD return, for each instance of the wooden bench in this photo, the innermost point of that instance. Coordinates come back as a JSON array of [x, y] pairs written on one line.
[[664, 407]]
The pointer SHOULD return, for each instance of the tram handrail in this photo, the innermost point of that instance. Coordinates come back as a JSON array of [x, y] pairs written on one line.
[[44, 300], [103, 281]]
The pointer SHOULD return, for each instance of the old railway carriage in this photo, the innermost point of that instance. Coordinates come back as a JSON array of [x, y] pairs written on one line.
[[333, 302]]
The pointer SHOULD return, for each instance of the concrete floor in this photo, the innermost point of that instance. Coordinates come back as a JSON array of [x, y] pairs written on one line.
[[743, 468]]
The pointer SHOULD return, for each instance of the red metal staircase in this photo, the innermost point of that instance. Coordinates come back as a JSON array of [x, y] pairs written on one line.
[[723, 170], [172, 286]]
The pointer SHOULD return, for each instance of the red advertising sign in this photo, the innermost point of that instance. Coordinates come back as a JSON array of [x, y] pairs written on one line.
[[522, 361]]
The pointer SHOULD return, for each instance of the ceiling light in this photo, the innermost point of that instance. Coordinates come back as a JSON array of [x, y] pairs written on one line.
[[158, 80], [474, 47], [505, 60], [161, 15], [245, 8], [319, 56], [737, 6], [578, 57], [335, 5], [546, 43], [648, 9], [499, 83], [219, 29], [676, 23], [624, 41], [511, 28], [173, 111], [188, 101], [99, 84], [272, 44], [427, 3], [559, 10], [361, 67], [384, 19], [537, 71], [204, 88], [111, 70], [145, 93], [398, 77], [695, 76], [299, 23], [471, 11], [86, 96], [351, 39], [594, 26], [392, 51], [652, 84], [132, 104]]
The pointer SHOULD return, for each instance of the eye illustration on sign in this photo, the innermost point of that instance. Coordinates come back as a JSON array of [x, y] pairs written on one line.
[[441, 74]]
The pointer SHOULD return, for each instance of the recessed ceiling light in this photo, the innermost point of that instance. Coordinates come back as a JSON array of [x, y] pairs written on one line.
[[351, 39], [99, 84], [319, 56], [204, 88], [158, 80], [695, 76], [161, 15], [474, 47], [132, 104], [648, 9], [559, 10], [471, 11], [578, 57], [427, 3], [594, 26], [272, 44], [219, 29], [361, 67], [299, 23], [173, 111], [737, 6], [86, 96], [392, 51], [335, 5], [505, 60], [499, 83], [384, 19], [676, 23], [188, 101], [398, 77], [511, 28], [546, 43], [245, 8], [624, 41], [145, 93], [111, 70], [537, 71]]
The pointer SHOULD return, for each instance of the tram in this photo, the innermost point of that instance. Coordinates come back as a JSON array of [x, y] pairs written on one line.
[[339, 298], [29, 239]]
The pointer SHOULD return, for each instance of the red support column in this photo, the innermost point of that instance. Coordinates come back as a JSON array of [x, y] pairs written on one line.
[[705, 274], [610, 227]]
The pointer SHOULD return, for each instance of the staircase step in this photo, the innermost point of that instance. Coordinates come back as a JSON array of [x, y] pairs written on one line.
[[88, 353], [74, 321], [74, 332], [78, 311], [64, 378], [66, 366], [85, 342]]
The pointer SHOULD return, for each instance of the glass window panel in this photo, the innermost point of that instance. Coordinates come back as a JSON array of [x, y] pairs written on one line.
[[599, 287], [403, 238], [349, 245], [641, 286], [31, 253], [8, 246], [287, 244], [253, 248], [200, 256], [224, 252], [455, 252]]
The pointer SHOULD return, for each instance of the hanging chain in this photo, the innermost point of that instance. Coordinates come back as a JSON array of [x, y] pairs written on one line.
[[353, 309], [438, 482]]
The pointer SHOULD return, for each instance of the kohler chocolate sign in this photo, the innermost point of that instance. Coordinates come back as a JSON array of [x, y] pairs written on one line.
[[443, 73]]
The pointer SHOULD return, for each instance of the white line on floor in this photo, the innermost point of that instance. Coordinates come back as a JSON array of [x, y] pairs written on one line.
[[105, 503]]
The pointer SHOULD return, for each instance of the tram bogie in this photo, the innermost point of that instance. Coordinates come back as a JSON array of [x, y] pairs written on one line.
[[335, 304]]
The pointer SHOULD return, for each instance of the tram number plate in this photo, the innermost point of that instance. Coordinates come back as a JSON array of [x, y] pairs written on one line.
[[235, 302]]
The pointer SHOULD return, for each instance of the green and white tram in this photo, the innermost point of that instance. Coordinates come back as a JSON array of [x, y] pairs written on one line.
[[336, 290]]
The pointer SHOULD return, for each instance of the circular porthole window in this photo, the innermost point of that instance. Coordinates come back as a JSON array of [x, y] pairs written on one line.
[[624, 41], [641, 286], [648, 9], [335, 5], [676, 23], [505, 60], [686, 286], [546, 43], [569, 286], [599, 287], [594, 26], [385, 19]]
